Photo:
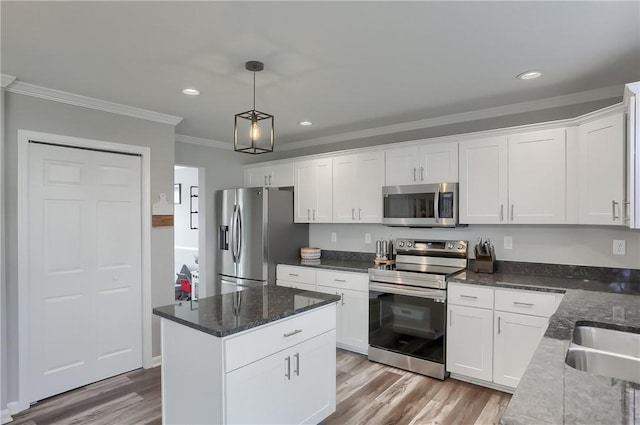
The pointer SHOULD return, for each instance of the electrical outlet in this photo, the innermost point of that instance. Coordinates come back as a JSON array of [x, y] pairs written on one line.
[[334, 237], [508, 242], [619, 247], [367, 238]]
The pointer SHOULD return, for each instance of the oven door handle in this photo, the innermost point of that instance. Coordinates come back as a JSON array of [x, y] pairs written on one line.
[[436, 295]]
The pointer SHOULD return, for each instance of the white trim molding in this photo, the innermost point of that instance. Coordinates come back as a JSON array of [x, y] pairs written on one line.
[[6, 80], [27, 89], [210, 143], [498, 111], [156, 361], [5, 417], [23, 249]]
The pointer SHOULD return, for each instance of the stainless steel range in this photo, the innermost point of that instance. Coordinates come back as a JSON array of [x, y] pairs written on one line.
[[407, 305]]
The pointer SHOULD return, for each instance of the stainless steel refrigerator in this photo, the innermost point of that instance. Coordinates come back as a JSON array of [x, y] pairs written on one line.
[[255, 231]]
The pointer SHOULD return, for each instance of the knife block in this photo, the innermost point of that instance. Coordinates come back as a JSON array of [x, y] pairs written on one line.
[[485, 263]]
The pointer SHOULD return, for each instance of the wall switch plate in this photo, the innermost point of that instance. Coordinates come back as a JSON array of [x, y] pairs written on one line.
[[508, 242], [367, 238], [334, 237], [619, 247]]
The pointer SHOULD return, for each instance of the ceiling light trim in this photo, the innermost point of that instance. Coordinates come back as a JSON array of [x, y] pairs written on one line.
[[498, 111], [6, 80], [210, 143], [33, 90]]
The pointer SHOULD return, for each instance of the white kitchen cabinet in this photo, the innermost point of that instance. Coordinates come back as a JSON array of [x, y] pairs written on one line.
[[537, 177], [429, 163], [601, 158], [470, 342], [515, 341], [296, 285], [273, 175], [288, 387], [483, 191], [517, 179], [632, 169], [313, 183], [357, 188]]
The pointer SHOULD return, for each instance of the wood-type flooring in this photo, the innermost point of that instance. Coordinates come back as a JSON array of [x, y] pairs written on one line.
[[367, 393]]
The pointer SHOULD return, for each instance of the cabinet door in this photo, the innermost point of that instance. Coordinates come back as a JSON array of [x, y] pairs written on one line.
[[280, 175], [439, 163], [354, 322], [367, 189], [323, 195], [345, 189], [483, 181], [304, 191], [601, 168], [332, 290], [265, 383], [470, 342], [516, 340], [311, 397], [401, 166], [255, 177], [537, 177]]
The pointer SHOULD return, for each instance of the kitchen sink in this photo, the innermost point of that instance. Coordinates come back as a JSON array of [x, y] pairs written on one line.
[[607, 352]]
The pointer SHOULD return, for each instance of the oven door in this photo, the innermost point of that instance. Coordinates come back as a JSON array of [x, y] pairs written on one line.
[[408, 321], [423, 205]]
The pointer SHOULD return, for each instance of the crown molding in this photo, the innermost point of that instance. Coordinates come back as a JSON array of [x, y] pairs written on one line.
[[6, 80], [210, 143], [27, 89], [515, 108]]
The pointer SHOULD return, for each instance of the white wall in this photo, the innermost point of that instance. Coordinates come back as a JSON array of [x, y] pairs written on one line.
[[223, 170], [576, 245], [30, 113], [185, 239]]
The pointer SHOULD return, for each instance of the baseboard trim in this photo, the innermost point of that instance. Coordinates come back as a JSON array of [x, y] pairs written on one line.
[[482, 383], [5, 417], [156, 361]]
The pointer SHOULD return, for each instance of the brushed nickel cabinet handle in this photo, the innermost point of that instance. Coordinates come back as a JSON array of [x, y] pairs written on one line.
[[314, 214], [339, 280], [353, 213], [292, 333], [511, 212], [613, 208], [421, 174], [294, 274], [472, 297], [501, 212], [296, 369], [342, 298], [308, 214], [414, 173], [523, 304], [359, 213], [265, 180], [499, 329], [287, 373], [269, 179]]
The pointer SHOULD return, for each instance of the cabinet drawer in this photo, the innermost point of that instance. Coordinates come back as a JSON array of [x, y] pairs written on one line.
[[345, 280], [253, 345], [296, 274], [533, 303], [470, 295], [296, 285]]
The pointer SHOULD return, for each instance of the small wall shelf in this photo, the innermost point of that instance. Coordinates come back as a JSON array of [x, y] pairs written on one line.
[[193, 198]]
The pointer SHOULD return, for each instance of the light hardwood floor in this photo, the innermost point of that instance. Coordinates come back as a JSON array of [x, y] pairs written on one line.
[[367, 393]]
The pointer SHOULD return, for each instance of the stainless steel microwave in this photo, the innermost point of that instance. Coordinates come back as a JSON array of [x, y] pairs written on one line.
[[422, 205]]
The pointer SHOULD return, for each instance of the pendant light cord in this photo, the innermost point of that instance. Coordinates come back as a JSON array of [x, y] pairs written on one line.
[[254, 90]]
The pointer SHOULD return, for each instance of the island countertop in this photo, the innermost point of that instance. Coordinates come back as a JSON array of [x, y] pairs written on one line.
[[227, 314], [551, 392]]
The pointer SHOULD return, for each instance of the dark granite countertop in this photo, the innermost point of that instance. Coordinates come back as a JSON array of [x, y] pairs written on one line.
[[227, 314], [551, 392], [333, 264]]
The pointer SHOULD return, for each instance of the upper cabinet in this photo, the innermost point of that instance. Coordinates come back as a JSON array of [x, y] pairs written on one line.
[[430, 163], [517, 179], [632, 175], [601, 163], [357, 188], [313, 181], [272, 175]]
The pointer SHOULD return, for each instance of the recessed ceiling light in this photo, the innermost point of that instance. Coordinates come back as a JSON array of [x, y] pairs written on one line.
[[305, 123], [191, 92], [529, 75]]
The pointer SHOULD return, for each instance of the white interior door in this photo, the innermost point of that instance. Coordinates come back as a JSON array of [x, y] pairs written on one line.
[[85, 278]]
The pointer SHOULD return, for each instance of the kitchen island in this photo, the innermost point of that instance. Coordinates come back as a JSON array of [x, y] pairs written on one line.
[[263, 355], [552, 392]]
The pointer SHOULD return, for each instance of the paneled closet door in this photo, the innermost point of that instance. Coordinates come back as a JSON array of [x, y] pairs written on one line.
[[85, 312]]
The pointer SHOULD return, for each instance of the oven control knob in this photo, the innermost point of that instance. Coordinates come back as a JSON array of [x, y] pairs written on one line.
[[460, 246], [401, 244], [450, 245], [409, 244]]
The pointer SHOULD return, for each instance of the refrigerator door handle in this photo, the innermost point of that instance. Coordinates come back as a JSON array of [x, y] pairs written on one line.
[[239, 229], [233, 233]]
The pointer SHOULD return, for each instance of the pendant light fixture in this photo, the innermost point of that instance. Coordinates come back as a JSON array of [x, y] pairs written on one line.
[[253, 130]]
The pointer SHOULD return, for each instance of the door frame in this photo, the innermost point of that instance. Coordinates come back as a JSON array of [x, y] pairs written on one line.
[[23, 247]]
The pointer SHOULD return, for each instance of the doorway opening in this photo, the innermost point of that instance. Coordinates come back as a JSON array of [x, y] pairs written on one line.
[[186, 232]]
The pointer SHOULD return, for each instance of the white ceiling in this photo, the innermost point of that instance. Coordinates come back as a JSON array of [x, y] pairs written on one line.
[[346, 66]]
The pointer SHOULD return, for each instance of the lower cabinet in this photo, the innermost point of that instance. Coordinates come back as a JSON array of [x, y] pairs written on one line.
[[470, 342], [296, 375], [495, 343], [352, 312]]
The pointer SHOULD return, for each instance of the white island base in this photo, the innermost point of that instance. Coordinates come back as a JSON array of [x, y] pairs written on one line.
[[282, 372]]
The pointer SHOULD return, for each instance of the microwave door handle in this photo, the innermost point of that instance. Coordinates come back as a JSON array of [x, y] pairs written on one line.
[[436, 205]]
